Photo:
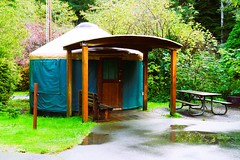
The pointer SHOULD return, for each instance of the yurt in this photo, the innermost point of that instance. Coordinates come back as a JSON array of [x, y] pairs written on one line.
[[115, 74]]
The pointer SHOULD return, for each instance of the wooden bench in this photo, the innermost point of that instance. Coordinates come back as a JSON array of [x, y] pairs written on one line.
[[221, 102], [101, 112], [185, 103], [225, 104], [190, 107]]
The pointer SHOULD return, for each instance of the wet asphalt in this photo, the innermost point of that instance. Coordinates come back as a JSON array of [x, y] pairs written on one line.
[[138, 135]]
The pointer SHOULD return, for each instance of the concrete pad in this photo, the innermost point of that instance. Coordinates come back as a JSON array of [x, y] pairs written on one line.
[[142, 138]]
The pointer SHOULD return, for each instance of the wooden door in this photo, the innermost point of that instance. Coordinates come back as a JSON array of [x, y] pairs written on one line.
[[110, 82]]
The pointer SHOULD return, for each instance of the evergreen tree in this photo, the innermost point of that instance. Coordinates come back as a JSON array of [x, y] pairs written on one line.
[[80, 5]]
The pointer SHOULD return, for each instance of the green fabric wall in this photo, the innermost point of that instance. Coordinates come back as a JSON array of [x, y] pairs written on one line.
[[50, 74], [51, 78], [132, 84], [77, 80]]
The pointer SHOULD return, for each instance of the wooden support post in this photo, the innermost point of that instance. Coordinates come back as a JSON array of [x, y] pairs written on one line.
[[35, 103], [145, 82], [69, 83], [173, 81], [85, 81]]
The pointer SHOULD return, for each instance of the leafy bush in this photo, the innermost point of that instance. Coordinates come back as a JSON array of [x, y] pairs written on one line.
[[23, 84], [13, 108], [230, 59], [1, 107], [8, 79], [159, 75], [201, 71], [233, 39], [11, 111]]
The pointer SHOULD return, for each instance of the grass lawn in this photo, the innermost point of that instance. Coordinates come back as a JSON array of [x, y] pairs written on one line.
[[54, 134], [153, 105]]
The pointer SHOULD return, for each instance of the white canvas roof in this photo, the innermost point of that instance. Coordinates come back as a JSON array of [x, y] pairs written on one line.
[[83, 31]]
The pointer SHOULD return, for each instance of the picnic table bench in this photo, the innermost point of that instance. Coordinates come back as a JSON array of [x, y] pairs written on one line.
[[101, 112], [190, 107], [185, 103], [197, 95], [225, 104]]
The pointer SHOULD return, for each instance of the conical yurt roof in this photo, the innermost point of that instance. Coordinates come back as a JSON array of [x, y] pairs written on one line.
[[54, 49]]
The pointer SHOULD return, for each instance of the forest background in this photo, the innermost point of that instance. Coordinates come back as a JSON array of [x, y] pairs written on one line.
[[209, 31]]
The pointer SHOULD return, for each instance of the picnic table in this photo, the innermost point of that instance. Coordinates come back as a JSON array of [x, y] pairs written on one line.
[[202, 97]]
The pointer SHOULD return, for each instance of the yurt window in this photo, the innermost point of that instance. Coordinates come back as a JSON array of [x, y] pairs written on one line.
[[110, 69]]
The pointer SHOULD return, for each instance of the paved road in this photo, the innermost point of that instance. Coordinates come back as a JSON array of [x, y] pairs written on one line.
[[137, 135]]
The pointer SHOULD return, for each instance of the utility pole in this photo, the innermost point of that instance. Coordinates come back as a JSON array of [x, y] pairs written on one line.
[[48, 20]]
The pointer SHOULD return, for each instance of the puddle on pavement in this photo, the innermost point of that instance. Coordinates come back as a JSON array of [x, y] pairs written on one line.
[[176, 134], [132, 117], [94, 139], [141, 132], [98, 138], [113, 127], [124, 115], [178, 127]]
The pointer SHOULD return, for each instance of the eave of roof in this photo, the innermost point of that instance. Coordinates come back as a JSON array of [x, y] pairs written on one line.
[[138, 42]]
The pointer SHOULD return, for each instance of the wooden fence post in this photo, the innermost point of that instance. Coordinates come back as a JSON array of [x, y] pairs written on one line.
[[35, 102]]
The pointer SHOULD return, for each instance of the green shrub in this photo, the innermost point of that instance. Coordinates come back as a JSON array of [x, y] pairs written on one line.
[[9, 110], [158, 75], [233, 39], [230, 59], [203, 71], [8, 79], [1, 107], [23, 84]]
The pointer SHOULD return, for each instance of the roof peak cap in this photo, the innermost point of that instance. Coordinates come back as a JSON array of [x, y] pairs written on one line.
[[87, 25]]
